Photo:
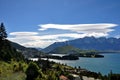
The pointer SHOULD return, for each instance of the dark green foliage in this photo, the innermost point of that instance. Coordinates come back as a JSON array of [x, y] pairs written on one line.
[[18, 46], [44, 64], [3, 33], [70, 57], [70, 77], [66, 57], [90, 74], [67, 49], [112, 76], [18, 67], [7, 52], [115, 77], [32, 71]]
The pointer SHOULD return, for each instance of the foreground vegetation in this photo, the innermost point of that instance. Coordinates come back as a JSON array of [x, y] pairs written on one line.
[[45, 70], [12, 70]]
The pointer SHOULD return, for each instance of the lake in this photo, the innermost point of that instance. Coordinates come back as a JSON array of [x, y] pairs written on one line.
[[111, 61]]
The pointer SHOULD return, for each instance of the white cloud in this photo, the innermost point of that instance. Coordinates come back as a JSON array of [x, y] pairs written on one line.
[[23, 33], [33, 39], [38, 41], [81, 28], [40, 44], [45, 40]]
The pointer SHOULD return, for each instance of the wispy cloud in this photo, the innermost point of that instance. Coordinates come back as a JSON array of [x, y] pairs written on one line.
[[45, 40], [40, 41], [81, 28], [34, 39], [23, 33]]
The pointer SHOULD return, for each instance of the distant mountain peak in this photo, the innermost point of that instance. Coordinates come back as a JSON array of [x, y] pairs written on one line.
[[88, 43]]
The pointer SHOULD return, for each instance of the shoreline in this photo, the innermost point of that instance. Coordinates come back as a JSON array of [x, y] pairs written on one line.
[[108, 52]]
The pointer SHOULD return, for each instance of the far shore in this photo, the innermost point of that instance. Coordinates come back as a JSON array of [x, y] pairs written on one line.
[[108, 52]]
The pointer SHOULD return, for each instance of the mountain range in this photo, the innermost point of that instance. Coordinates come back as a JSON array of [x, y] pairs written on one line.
[[89, 43]]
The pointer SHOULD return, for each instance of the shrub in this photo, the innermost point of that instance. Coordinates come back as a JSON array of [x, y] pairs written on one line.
[[32, 71]]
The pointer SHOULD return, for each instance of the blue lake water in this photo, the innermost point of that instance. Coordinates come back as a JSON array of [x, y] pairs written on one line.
[[104, 65]]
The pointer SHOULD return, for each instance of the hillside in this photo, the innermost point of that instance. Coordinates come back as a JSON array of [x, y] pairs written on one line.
[[8, 52], [27, 52], [17, 46], [65, 50], [89, 43], [71, 51]]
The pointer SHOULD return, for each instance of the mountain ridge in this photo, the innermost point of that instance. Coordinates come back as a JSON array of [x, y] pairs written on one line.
[[89, 43], [27, 52]]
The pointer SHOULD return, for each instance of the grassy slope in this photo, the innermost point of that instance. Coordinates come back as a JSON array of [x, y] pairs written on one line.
[[65, 49], [9, 72], [70, 49]]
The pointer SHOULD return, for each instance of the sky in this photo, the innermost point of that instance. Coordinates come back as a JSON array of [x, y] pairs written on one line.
[[39, 23]]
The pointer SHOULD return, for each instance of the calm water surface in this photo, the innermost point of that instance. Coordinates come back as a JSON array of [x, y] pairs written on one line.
[[110, 61]]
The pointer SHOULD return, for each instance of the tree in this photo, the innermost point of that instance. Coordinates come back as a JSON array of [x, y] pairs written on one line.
[[3, 33], [32, 71]]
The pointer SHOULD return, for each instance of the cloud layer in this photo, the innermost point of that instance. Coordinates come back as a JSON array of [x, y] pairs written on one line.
[[34, 39], [81, 28], [23, 33]]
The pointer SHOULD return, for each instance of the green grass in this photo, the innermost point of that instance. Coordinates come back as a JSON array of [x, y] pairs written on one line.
[[14, 76], [66, 49], [7, 71]]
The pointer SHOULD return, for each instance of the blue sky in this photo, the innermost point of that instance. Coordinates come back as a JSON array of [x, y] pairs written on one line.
[[39, 23]]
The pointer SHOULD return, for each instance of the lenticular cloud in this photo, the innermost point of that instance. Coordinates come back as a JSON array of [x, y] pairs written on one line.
[[31, 39], [81, 28], [23, 33]]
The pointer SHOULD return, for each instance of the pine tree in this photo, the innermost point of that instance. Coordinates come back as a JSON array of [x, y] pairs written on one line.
[[3, 33]]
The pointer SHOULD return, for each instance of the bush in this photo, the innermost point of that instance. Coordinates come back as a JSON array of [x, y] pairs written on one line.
[[32, 71]]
